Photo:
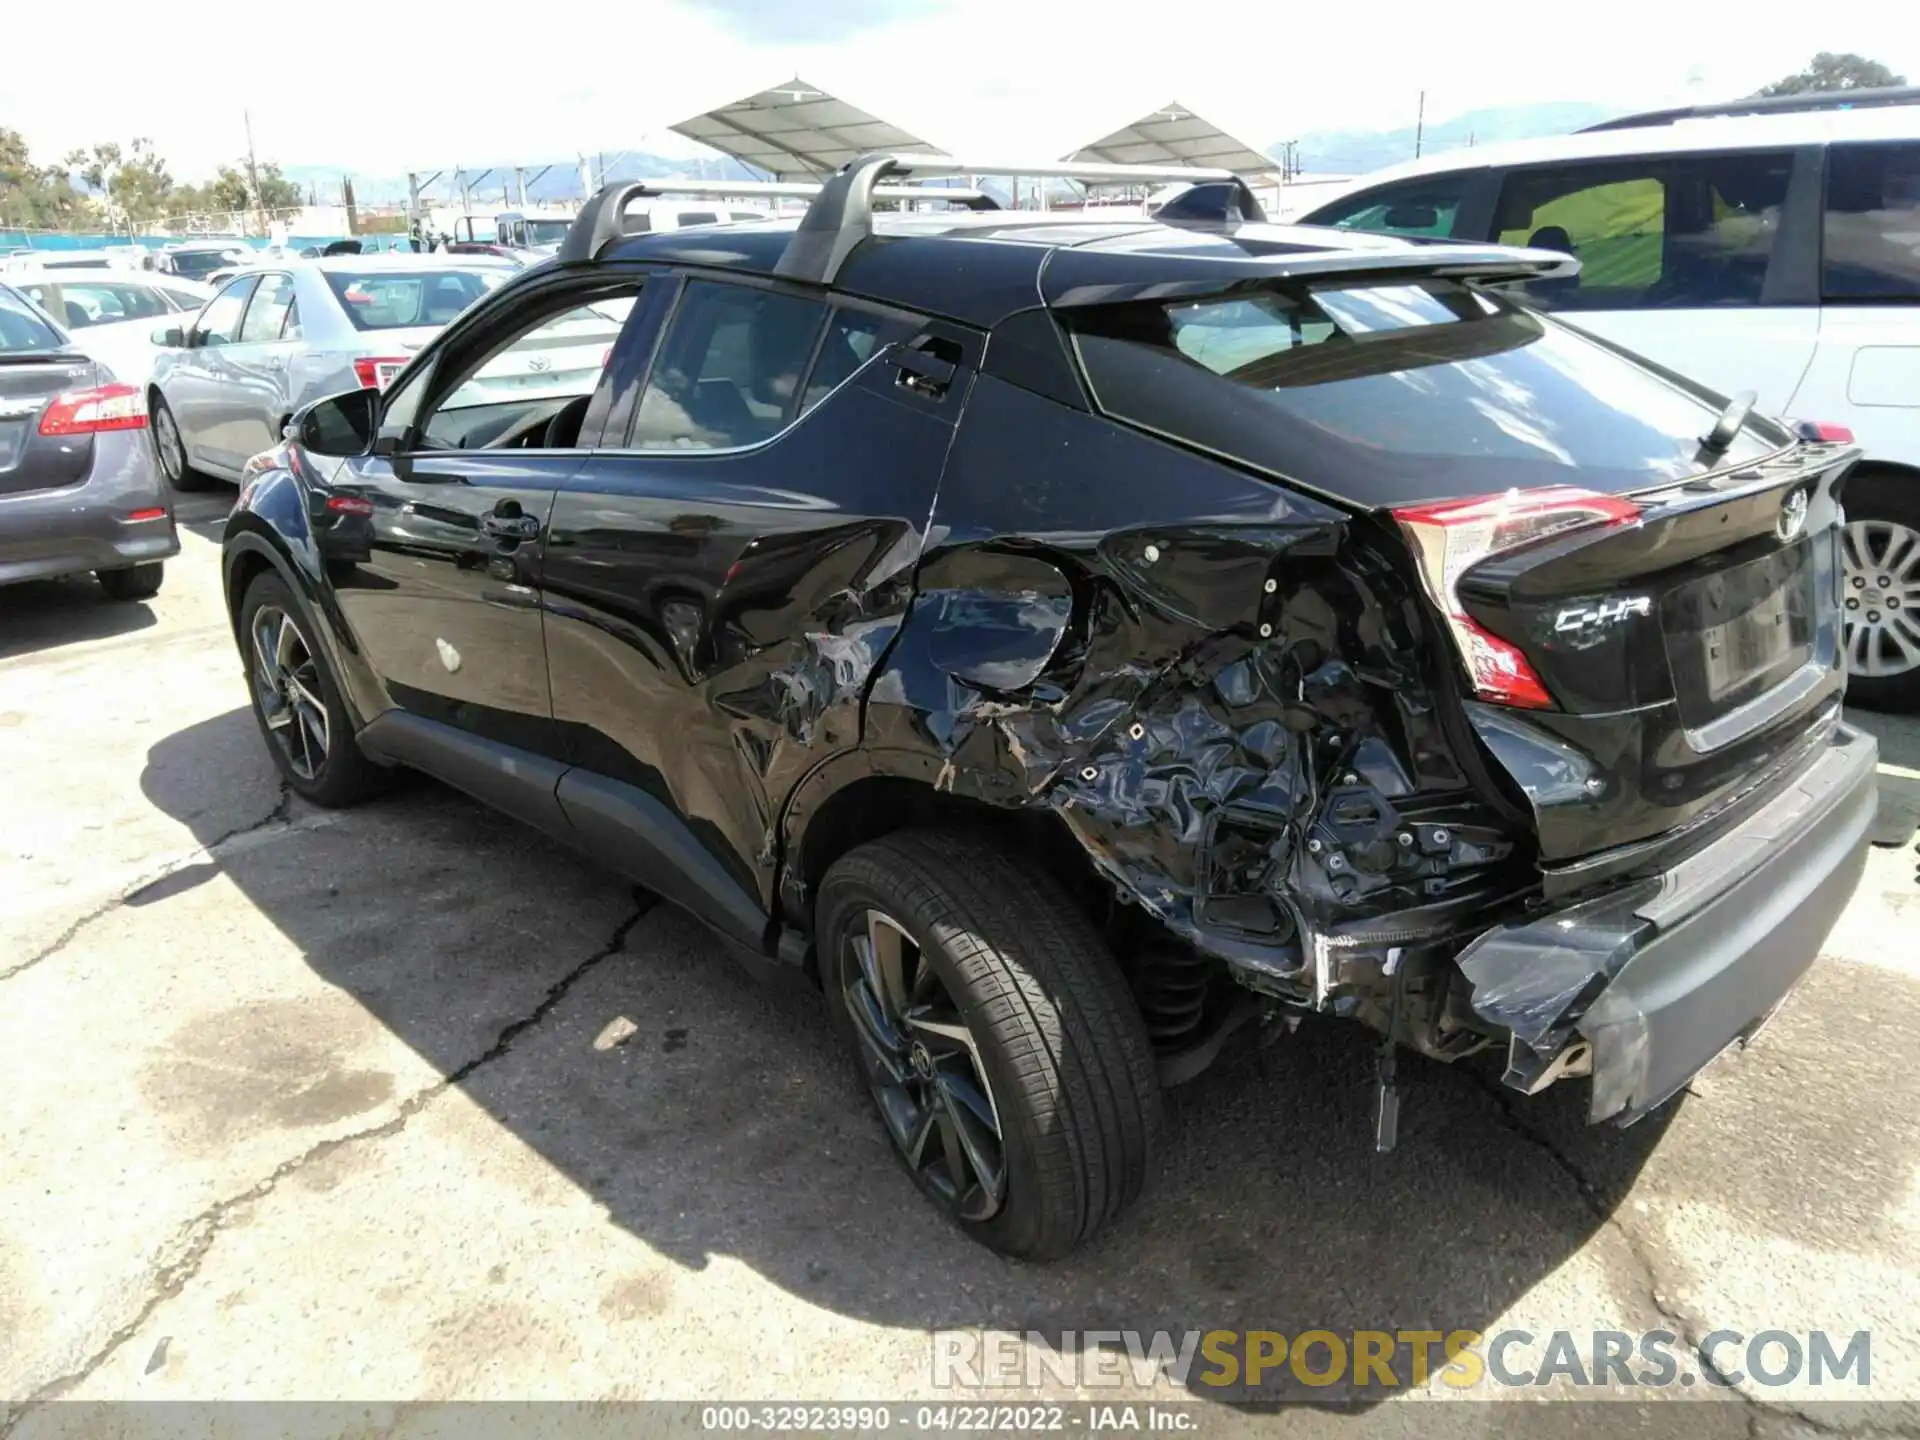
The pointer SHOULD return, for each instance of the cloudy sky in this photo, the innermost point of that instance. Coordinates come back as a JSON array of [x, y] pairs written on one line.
[[388, 88]]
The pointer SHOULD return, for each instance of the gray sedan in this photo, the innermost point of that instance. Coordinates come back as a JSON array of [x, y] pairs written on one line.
[[78, 489], [274, 338]]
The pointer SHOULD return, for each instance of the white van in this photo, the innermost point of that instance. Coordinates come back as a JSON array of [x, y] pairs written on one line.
[[1767, 245]]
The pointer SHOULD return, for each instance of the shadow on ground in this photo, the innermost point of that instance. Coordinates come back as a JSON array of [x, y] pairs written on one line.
[[729, 1125], [43, 614]]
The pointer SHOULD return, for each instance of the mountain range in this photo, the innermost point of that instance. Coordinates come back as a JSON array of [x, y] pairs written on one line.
[[1355, 152]]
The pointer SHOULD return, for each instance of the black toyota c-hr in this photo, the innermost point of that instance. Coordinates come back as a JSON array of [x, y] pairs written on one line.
[[1064, 642]]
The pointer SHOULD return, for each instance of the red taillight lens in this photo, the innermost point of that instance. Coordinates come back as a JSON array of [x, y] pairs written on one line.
[[1822, 431], [1451, 537], [155, 512], [376, 372], [86, 412], [349, 505]]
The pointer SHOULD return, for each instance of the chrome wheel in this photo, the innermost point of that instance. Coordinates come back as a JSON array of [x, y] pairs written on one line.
[[166, 439], [286, 687], [924, 1067], [1881, 610]]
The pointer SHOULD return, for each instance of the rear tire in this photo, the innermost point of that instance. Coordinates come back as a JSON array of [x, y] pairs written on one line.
[[1881, 590], [136, 582], [998, 984], [171, 451], [296, 700]]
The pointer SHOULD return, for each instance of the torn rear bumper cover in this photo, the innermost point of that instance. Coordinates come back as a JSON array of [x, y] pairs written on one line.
[[1659, 977]]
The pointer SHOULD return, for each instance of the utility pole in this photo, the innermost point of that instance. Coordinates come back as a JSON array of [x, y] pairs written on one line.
[[253, 173], [1420, 125]]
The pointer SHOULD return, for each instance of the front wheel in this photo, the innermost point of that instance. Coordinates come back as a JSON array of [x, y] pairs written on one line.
[[296, 700], [996, 1035], [1880, 591]]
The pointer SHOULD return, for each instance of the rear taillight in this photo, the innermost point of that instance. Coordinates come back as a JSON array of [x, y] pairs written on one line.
[[1451, 537], [1822, 431], [87, 412], [376, 372], [349, 505]]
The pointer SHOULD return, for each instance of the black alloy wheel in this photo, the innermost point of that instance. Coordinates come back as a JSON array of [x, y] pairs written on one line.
[[995, 1033]]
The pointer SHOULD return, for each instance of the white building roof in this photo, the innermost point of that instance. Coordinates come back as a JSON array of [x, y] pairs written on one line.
[[1174, 135], [796, 131]]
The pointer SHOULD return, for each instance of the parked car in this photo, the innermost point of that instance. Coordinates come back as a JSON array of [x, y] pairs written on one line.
[[110, 314], [32, 260], [1765, 246], [225, 383], [1067, 643], [200, 262], [78, 489]]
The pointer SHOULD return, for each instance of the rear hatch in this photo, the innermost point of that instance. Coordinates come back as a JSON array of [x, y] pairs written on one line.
[[1639, 626], [37, 364]]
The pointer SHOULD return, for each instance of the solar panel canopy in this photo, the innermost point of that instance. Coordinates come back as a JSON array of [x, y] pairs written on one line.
[[1174, 135], [796, 131]]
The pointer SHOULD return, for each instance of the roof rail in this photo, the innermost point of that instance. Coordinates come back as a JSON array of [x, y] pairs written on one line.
[[602, 220], [1862, 99], [841, 215]]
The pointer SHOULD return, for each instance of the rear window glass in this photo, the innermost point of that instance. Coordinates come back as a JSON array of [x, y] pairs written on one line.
[[22, 330], [397, 299], [1411, 391], [81, 303], [1873, 223]]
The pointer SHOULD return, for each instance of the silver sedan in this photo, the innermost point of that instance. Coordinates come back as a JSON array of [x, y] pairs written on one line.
[[274, 338]]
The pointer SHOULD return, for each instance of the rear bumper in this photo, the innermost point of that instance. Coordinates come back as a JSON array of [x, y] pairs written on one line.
[[44, 533], [1648, 983]]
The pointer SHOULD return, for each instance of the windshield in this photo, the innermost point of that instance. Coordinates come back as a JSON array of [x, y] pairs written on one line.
[[23, 330], [83, 302], [398, 299], [547, 232], [198, 264], [1390, 393]]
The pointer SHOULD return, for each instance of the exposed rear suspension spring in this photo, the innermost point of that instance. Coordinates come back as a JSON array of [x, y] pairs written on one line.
[[1170, 985]]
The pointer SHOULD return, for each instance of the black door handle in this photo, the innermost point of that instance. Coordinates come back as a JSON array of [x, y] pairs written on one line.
[[510, 527]]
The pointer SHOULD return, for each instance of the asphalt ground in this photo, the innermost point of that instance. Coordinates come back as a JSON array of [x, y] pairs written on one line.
[[407, 1103]]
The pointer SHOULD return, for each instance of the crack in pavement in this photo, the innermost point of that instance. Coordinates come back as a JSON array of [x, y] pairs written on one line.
[[276, 816], [1691, 1329], [201, 1231]]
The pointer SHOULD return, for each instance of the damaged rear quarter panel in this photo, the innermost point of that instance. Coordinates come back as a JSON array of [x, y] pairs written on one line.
[[1186, 665]]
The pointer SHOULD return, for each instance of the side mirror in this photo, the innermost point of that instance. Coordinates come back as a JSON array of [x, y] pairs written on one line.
[[170, 337], [340, 425]]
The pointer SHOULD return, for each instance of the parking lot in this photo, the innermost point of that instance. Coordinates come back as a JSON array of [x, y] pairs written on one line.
[[405, 1101]]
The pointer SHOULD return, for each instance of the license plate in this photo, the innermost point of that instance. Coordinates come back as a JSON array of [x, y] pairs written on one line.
[[1746, 646]]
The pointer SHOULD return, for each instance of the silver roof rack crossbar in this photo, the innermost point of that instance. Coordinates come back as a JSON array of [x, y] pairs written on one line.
[[602, 220], [841, 215]]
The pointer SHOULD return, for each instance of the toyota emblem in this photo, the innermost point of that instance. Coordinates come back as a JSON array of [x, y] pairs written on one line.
[[542, 363], [1793, 515]]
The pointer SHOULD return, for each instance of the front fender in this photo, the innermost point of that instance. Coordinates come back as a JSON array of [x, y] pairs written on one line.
[[273, 527]]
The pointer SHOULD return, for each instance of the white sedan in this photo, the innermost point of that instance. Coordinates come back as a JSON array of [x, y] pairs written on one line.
[[111, 313]]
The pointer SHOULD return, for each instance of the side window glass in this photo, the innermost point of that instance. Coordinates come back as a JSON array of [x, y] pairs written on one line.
[[219, 323], [531, 389], [1664, 234], [852, 339], [1426, 208], [1872, 226], [268, 312], [689, 218], [291, 330], [728, 372]]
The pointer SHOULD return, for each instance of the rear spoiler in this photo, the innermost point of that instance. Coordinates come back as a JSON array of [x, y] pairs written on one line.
[[1078, 277], [841, 215], [602, 220]]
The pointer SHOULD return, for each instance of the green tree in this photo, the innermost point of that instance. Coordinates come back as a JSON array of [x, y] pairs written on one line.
[[1835, 72], [34, 195], [133, 183], [231, 190]]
